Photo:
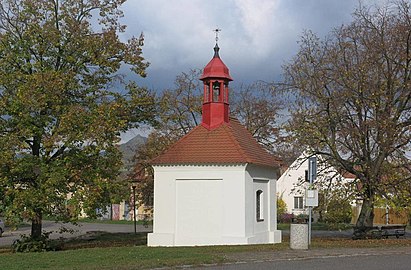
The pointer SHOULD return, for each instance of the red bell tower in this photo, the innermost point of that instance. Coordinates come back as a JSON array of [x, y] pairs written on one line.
[[215, 77]]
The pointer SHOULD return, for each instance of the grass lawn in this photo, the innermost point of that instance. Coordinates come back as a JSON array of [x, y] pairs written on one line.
[[105, 221], [128, 257], [128, 251], [325, 227], [107, 258], [318, 226]]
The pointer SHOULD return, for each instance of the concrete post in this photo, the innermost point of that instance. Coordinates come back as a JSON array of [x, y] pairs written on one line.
[[299, 236]]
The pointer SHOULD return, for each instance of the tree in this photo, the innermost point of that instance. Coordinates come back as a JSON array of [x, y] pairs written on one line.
[[353, 99], [63, 105], [180, 108], [335, 196], [142, 172], [339, 211], [258, 106]]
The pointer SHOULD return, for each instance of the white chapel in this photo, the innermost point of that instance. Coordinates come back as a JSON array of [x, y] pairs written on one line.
[[216, 185]]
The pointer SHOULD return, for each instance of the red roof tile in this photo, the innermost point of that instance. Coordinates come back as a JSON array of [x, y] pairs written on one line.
[[349, 175], [229, 143]]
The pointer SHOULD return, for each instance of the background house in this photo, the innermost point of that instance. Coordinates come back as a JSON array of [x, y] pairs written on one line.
[[292, 183]]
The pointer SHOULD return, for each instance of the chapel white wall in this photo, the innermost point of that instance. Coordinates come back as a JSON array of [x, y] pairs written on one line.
[[237, 224], [262, 178], [165, 184]]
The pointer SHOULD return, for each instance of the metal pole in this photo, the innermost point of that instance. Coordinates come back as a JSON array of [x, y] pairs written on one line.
[[134, 209], [309, 225]]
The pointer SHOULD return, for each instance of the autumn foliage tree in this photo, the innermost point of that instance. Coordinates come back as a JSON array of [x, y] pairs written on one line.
[[258, 106], [63, 105], [353, 104], [179, 108]]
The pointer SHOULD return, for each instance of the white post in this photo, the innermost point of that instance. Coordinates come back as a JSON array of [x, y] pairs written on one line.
[[387, 218], [312, 175]]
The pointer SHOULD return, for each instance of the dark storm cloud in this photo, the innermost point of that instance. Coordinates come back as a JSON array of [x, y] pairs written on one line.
[[257, 36]]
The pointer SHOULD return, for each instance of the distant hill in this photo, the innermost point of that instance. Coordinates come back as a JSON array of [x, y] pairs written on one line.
[[129, 149]]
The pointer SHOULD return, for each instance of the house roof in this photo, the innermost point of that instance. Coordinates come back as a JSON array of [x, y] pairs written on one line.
[[230, 143], [348, 175]]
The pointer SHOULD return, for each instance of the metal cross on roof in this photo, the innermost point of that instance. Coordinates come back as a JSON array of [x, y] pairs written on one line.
[[217, 30]]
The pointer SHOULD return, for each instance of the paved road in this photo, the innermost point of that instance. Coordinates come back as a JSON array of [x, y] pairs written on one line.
[[335, 259], [51, 226]]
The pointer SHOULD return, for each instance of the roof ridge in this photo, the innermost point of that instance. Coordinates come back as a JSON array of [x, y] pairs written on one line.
[[236, 141]]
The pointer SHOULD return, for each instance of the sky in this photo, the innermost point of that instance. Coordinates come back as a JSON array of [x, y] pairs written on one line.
[[257, 36]]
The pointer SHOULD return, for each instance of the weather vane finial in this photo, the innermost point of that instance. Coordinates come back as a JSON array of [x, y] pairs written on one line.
[[217, 30]]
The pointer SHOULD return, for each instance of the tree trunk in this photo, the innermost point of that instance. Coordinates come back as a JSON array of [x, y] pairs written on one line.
[[365, 219], [36, 222], [36, 225]]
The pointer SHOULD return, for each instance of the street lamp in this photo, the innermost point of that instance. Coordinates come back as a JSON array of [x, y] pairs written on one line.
[[134, 186], [137, 177]]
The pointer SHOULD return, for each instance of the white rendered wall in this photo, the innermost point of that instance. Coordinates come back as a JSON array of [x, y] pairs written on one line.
[[199, 212], [225, 197], [261, 178], [166, 228]]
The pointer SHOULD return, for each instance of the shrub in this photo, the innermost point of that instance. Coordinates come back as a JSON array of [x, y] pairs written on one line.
[[281, 208], [301, 219], [339, 211], [286, 218], [28, 244]]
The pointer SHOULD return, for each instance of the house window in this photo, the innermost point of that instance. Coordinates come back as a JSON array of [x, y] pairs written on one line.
[[298, 203], [259, 205]]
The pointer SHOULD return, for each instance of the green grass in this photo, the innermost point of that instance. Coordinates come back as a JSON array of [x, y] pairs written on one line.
[[102, 250], [107, 221], [283, 226], [318, 226], [129, 222], [137, 257], [104, 258], [82, 253]]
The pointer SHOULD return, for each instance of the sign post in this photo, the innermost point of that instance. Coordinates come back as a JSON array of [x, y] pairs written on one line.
[[311, 195]]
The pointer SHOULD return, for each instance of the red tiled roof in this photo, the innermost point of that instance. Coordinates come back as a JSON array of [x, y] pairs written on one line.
[[229, 143], [348, 175]]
